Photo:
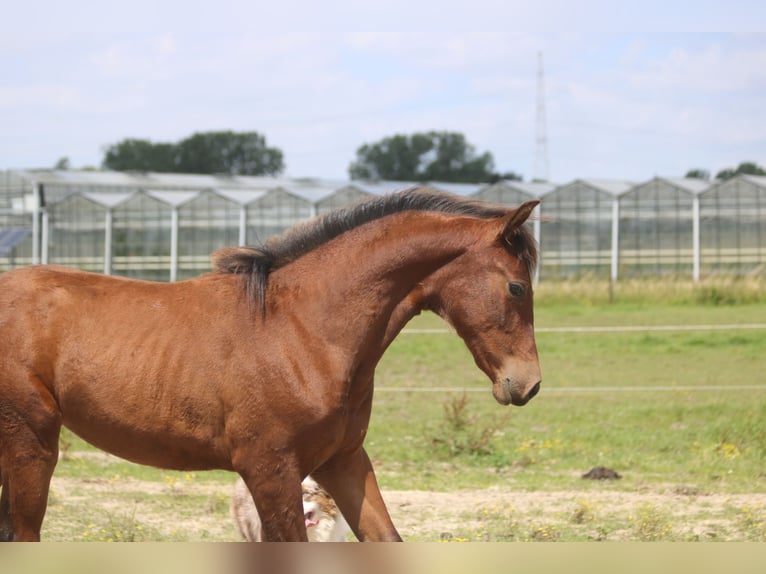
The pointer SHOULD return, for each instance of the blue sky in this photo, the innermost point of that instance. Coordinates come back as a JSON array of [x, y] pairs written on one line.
[[79, 75]]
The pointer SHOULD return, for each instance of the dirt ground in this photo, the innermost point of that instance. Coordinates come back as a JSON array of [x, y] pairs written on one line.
[[417, 513], [170, 510]]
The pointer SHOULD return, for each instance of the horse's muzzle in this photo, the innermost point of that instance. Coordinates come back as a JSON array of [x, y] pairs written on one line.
[[529, 396], [508, 392]]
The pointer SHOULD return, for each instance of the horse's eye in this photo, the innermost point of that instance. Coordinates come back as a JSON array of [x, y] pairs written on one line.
[[516, 290]]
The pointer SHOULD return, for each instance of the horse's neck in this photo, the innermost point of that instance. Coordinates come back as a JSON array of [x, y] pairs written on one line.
[[361, 276], [407, 308]]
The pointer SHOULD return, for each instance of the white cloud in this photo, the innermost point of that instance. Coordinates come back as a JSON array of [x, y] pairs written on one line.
[[165, 44], [714, 68], [613, 101]]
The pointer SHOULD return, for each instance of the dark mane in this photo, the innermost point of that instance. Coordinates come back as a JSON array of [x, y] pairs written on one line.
[[255, 263]]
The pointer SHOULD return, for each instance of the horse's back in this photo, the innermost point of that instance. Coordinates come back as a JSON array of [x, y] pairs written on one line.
[[27, 299], [26, 287], [38, 302], [80, 320], [115, 353]]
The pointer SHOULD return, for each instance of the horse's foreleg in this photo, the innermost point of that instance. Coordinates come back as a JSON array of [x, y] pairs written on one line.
[[350, 480], [26, 480], [6, 528], [278, 499], [29, 434]]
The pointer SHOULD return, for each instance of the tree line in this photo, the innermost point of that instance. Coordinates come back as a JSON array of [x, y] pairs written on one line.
[[430, 156], [424, 156], [244, 153], [746, 167]]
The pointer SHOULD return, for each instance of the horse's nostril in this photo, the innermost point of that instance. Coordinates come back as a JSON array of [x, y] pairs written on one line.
[[534, 391]]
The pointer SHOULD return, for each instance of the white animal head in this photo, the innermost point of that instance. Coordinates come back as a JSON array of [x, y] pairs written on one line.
[[324, 522]]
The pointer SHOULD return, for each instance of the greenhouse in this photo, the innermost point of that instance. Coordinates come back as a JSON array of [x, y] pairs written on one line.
[[78, 230], [348, 193], [514, 192], [165, 226], [732, 227], [341, 197], [273, 212], [656, 227], [578, 230]]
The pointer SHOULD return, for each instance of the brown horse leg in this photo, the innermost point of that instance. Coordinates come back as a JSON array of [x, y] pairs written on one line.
[[25, 491], [350, 479], [6, 528], [29, 432], [278, 497]]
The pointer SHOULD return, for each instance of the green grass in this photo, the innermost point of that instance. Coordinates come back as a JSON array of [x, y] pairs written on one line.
[[711, 434], [662, 408]]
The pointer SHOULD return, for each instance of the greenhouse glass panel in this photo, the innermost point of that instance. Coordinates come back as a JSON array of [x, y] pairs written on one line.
[[15, 247], [15, 224], [76, 233], [206, 223], [141, 238], [733, 226], [341, 198], [576, 231], [274, 212], [656, 227], [503, 194]]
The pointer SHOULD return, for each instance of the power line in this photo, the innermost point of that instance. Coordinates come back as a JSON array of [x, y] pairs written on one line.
[[631, 389], [614, 329]]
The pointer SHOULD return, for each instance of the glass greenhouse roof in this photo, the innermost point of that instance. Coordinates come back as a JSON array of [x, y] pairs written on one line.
[[10, 238]]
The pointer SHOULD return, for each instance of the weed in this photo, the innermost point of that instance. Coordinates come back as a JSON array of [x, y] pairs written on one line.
[[583, 512], [177, 484], [751, 520], [727, 450], [217, 503], [546, 533], [498, 523], [712, 291], [463, 434], [119, 527], [532, 450], [650, 524]]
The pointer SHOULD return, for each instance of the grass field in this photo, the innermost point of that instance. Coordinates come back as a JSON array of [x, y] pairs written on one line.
[[679, 414]]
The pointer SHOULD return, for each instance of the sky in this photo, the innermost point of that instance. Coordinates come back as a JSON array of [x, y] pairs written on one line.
[[689, 93]]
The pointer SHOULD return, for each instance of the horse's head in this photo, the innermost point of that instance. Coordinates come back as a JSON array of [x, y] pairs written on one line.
[[486, 295]]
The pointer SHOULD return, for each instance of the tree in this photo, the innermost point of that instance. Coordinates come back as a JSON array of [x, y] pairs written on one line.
[[205, 152], [140, 155], [63, 164], [698, 174], [746, 167], [508, 176], [727, 173], [431, 156], [228, 152]]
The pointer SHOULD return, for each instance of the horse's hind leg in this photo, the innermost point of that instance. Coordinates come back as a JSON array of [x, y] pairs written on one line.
[[350, 480], [29, 433]]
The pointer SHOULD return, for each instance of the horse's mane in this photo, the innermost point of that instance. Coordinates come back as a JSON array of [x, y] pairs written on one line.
[[255, 263]]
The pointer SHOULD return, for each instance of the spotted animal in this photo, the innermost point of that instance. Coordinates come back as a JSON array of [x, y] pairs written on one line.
[[324, 522]]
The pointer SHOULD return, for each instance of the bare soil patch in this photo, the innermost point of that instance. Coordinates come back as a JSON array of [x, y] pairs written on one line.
[[194, 510]]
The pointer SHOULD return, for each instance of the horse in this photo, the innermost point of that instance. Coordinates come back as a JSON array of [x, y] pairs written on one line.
[[263, 366], [440, 293]]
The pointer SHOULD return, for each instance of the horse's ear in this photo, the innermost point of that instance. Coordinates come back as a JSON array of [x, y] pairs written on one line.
[[517, 218]]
